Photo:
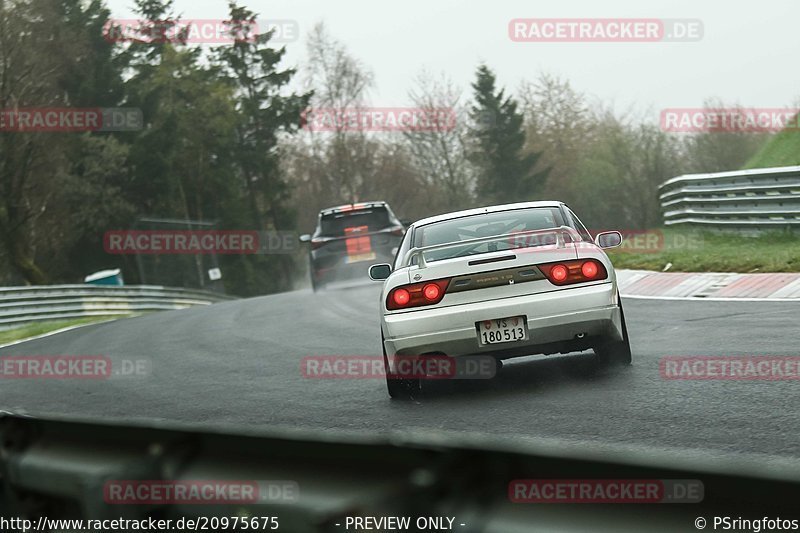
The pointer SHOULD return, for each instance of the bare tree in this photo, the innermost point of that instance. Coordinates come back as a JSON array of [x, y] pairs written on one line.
[[560, 123], [439, 151], [337, 78], [618, 174], [340, 83], [30, 71], [716, 151]]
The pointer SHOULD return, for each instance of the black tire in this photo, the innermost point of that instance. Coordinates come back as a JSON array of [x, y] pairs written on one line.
[[316, 285], [613, 352], [399, 389]]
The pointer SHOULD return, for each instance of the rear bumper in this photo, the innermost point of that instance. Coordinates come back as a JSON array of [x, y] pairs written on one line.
[[553, 318], [340, 268], [335, 264], [343, 270]]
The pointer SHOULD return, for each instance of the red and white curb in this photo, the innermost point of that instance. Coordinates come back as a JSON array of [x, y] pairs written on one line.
[[708, 286]]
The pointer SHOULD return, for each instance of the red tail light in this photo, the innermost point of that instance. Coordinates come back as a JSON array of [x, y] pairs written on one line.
[[589, 270], [559, 273], [431, 292], [417, 294], [401, 297], [570, 272]]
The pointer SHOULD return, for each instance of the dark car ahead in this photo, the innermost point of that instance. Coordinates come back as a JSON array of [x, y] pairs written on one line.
[[349, 238]]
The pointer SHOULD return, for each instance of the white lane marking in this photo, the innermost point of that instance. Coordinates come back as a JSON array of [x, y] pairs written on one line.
[[54, 332], [792, 290], [628, 278], [701, 299], [702, 284]]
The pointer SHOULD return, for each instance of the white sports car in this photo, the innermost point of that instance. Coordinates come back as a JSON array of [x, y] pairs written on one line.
[[503, 281]]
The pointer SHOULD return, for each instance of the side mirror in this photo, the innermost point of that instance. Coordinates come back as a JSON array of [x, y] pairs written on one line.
[[305, 237], [608, 239], [406, 222], [380, 271]]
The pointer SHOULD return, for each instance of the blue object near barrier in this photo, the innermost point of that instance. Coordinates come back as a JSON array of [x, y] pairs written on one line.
[[106, 277]]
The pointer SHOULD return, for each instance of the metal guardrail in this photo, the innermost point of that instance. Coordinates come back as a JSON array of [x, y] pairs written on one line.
[[20, 305], [757, 199]]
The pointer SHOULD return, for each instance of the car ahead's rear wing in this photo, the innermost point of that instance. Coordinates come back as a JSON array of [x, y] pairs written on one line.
[[559, 232], [356, 234], [350, 208]]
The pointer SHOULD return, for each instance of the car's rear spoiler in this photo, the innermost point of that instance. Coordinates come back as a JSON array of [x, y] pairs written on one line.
[[559, 232], [359, 234]]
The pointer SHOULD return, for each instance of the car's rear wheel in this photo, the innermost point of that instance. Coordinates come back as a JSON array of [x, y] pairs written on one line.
[[316, 284], [399, 389], [613, 352]]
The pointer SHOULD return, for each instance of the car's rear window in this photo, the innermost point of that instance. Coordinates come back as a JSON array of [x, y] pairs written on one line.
[[339, 224], [486, 225]]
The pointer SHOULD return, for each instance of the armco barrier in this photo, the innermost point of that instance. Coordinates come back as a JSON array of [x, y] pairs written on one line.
[[758, 199], [19, 305]]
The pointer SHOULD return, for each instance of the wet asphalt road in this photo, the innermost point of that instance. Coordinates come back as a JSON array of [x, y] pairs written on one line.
[[238, 364]]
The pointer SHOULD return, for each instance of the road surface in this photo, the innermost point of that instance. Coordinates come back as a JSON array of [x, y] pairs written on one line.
[[238, 364]]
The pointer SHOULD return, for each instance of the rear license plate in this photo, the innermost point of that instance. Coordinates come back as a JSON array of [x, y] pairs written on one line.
[[356, 258], [501, 330]]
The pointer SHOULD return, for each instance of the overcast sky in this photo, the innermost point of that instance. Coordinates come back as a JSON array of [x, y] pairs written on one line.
[[748, 54]]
